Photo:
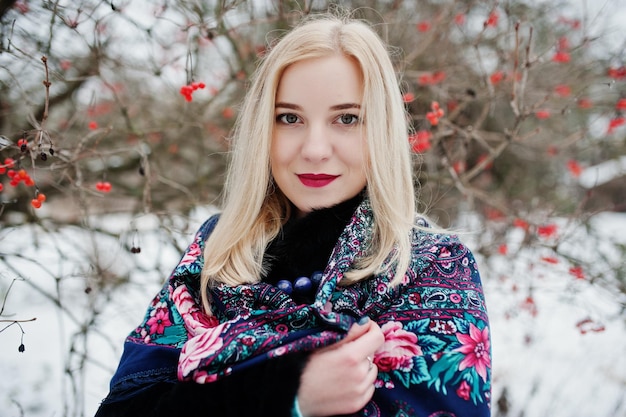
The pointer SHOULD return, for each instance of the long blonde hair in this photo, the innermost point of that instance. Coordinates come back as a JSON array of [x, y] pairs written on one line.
[[254, 210]]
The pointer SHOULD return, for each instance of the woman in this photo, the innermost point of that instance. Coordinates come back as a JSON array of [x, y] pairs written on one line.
[[317, 291]]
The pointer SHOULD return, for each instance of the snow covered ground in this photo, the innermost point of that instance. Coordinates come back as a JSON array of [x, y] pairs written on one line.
[[558, 354]]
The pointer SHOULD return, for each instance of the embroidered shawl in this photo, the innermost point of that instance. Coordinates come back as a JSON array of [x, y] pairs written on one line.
[[436, 359]]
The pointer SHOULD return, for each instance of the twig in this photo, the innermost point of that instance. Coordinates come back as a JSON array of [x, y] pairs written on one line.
[[15, 322], [6, 295], [47, 84]]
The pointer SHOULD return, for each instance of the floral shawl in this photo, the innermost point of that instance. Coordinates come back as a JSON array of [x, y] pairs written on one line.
[[436, 357]]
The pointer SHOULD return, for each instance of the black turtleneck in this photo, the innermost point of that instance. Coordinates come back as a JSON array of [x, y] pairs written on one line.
[[304, 244]]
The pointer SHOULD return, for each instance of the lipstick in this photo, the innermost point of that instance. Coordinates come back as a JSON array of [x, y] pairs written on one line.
[[316, 180]]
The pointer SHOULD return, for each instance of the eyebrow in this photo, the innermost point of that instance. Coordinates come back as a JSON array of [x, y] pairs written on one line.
[[342, 106]]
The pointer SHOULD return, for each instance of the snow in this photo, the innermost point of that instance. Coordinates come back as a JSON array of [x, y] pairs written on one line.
[[604, 172], [542, 360]]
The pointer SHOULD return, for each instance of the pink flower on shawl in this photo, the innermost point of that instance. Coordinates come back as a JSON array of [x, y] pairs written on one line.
[[197, 348], [476, 350], [159, 321], [398, 350], [444, 257], [204, 377], [193, 316], [191, 254], [463, 390]]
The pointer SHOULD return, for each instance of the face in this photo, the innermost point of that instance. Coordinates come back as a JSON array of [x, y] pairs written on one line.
[[319, 153]]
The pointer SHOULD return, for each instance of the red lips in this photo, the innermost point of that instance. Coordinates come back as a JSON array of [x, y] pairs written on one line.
[[317, 180]]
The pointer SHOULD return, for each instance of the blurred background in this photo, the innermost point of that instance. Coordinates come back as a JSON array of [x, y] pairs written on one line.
[[114, 135]]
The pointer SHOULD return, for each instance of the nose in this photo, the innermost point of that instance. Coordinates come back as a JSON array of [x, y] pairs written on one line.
[[317, 144]]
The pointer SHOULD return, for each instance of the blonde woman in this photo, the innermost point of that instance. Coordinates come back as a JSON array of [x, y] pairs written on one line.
[[317, 291]]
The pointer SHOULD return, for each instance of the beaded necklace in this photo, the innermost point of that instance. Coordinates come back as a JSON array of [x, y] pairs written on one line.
[[301, 285]]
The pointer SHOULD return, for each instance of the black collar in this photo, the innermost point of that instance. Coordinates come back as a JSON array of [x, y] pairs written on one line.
[[304, 244]]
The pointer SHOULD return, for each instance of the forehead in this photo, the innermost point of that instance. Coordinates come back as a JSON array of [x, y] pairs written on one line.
[[333, 78]]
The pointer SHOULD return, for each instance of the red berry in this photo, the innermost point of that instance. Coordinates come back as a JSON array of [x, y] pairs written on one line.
[[542, 114], [22, 144], [35, 203], [103, 186], [584, 103], [496, 77], [424, 26], [562, 57], [228, 112], [41, 197]]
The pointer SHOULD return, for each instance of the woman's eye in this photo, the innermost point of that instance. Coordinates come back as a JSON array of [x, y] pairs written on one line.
[[348, 119], [287, 118]]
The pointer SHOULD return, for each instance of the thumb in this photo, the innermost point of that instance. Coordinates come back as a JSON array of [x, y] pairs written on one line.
[[358, 329]]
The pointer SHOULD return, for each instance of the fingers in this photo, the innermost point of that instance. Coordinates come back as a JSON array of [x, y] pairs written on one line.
[[368, 342], [342, 374], [364, 389], [358, 329]]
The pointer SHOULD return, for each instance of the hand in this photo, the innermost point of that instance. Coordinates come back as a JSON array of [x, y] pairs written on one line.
[[339, 379]]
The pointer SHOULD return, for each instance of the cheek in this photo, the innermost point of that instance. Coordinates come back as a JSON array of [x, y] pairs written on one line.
[[281, 154], [357, 157], [275, 152]]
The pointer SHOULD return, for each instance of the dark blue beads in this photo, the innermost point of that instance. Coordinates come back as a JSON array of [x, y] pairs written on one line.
[[285, 286], [302, 285], [316, 278]]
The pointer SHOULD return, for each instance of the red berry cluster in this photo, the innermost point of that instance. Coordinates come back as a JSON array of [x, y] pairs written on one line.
[[20, 176], [434, 115], [562, 54], [428, 78], [15, 176], [420, 141], [103, 186], [619, 73], [38, 201], [187, 90]]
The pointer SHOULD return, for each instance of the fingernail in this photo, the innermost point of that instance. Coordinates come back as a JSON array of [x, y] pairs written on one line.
[[363, 320]]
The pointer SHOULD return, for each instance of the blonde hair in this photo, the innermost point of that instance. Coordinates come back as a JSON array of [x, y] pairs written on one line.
[[254, 211]]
